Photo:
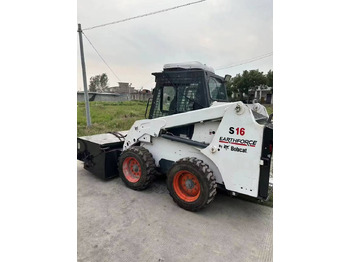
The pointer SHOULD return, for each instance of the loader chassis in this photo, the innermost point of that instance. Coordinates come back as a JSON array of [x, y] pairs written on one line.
[[194, 137], [226, 137]]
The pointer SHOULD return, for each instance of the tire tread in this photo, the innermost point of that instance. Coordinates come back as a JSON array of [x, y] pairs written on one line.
[[206, 173], [148, 162]]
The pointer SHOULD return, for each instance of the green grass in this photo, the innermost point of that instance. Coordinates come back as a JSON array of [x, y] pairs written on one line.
[[112, 116], [269, 109], [109, 116]]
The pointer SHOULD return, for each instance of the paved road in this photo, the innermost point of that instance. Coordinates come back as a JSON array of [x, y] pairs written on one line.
[[118, 224]]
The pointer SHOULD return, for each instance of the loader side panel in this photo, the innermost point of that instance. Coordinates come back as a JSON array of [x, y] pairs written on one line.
[[236, 150]]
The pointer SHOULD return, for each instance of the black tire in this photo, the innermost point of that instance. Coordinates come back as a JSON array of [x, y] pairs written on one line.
[[137, 168], [182, 181]]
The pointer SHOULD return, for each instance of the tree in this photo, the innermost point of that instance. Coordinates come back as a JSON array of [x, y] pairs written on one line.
[[98, 83], [240, 85], [269, 78]]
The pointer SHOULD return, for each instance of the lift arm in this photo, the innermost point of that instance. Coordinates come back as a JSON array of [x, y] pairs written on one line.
[[143, 130]]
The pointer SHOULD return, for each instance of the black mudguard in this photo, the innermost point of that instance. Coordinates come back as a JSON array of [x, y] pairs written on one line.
[[266, 154]]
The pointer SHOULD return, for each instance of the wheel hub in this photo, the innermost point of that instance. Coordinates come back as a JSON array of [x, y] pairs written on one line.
[[186, 186], [132, 169], [135, 168], [189, 183]]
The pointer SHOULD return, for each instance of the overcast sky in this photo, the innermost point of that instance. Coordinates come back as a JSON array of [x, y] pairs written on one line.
[[218, 33]]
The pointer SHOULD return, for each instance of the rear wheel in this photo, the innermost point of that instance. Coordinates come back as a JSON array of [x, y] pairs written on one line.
[[137, 168], [191, 184]]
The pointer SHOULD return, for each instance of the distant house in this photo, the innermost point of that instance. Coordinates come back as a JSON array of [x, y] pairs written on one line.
[[145, 91], [263, 95], [123, 92], [123, 88]]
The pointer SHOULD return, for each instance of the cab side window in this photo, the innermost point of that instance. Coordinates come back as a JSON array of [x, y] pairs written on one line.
[[168, 99], [217, 89]]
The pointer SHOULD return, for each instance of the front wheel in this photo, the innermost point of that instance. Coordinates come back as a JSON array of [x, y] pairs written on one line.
[[191, 184], [137, 168]]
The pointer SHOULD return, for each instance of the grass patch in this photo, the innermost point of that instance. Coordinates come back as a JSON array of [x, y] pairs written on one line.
[[269, 108], [114, 116], [109, 116]]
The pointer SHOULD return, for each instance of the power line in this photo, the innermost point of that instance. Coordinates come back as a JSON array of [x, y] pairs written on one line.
[[101, 56], [148, 14], [246, 61]]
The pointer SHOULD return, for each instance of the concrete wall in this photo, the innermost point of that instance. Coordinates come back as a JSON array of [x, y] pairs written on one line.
[[105, 97], [102, 97]]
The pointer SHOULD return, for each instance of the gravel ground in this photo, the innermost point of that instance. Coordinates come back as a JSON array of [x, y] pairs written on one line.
[[118, 224]]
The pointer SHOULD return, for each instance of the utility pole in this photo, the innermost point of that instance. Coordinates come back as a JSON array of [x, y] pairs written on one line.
[[86, 94]]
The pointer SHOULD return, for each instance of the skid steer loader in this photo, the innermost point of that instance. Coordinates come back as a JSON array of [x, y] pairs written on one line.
[[194, 136]]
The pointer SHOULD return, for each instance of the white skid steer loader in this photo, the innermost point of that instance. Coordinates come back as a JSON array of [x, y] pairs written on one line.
[[194, 136]]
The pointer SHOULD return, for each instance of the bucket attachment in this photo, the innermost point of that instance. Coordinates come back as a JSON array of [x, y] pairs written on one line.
[[100, 153]]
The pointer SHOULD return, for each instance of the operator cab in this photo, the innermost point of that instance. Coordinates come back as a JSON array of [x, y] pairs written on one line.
[[185, 87]]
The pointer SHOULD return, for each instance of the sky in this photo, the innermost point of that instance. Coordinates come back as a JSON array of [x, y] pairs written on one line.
[[218, 33]]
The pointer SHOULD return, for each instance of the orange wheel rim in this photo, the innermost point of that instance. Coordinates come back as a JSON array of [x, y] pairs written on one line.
[[186, 186], [132, 169]]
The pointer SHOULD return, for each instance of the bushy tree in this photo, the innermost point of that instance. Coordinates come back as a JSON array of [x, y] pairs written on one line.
[[269, 78], [248, 80], [98, 83]]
